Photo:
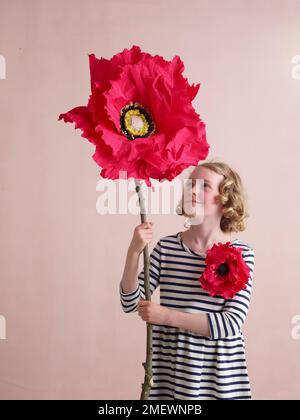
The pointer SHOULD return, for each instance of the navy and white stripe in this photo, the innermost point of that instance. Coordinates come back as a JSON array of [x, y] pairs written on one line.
[[187, 365]]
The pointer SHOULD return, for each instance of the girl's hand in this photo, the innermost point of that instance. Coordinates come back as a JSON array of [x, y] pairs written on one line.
[[142, 235], [152, 312]]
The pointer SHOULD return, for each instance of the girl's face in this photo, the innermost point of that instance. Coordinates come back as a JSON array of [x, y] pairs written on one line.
[[205, 191]]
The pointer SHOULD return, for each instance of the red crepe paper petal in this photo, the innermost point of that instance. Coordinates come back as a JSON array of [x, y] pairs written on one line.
[[176, 136]]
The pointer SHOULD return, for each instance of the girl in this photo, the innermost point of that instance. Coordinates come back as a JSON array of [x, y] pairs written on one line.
[[198, 345]]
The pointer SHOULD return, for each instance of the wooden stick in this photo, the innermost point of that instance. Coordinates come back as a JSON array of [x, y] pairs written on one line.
[[148, 381]]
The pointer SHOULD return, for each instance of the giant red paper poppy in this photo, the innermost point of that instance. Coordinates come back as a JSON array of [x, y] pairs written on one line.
[[226, 272], [140, 117]]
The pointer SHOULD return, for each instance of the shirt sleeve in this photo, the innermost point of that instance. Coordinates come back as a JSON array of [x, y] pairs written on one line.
[[129, 301], [229, 321]]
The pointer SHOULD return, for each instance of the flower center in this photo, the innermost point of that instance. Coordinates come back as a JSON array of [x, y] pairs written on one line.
[[136, 121], [223, 269]]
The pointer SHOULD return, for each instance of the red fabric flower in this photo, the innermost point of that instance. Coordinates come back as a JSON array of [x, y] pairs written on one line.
[[226, 272], [140, 116]]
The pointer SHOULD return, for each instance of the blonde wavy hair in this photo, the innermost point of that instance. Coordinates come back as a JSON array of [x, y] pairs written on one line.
[[231, 195]]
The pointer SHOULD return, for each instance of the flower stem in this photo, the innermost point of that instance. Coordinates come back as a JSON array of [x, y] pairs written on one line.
[[148, 381]]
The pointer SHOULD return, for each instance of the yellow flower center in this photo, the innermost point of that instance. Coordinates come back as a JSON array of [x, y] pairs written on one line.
[[136, 121]]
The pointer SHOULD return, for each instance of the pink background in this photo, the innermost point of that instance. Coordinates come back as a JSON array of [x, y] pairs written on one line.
[[61, 262]]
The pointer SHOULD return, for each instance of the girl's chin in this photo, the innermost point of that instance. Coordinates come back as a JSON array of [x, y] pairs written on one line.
[[194, 209], [194, 214]]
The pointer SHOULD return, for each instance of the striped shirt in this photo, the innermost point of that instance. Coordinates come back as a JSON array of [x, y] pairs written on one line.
[[186, 365]]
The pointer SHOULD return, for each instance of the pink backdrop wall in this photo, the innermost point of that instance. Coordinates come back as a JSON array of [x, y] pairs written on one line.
[[61, 262]]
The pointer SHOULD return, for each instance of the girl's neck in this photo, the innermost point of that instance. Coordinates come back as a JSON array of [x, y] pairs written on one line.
[[203, 236]]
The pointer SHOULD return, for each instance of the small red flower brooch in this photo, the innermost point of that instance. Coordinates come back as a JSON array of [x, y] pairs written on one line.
[[226, 272]]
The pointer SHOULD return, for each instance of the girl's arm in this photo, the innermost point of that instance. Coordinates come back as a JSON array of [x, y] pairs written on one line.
[[197, 323], [141, 237], [155, 313], [221, 324], [132, 284], [214, 325], [129, 282], [229, 321]]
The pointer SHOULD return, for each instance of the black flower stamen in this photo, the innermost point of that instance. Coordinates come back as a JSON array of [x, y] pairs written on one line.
[[223, 269], [136, 121]]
